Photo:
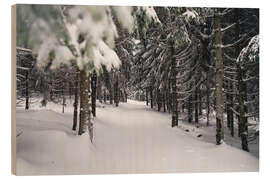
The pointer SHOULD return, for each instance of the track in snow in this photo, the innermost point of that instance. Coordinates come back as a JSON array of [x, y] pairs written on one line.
[[130, 138]]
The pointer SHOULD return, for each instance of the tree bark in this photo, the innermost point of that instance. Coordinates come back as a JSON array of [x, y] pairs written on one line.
[[116, 91], [85, 113], [174, 88], [196, 106], [219, 82], [164, 101], [158, 99], [26, 91], [200, 100], [75, 114], [104, 96], [242, 127], [190, 110], [63, 97], [151, 97], [111, 95], [207, 99], [94, 93], [146, 96]]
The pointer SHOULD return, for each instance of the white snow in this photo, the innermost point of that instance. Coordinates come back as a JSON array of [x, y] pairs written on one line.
[[129, 139], [151, 13], [94, 23], [251, 52], [191, 15], [124, 16]]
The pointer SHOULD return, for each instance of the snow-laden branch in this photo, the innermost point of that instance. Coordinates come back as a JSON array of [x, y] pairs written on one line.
[[229, 58], [22, 68], [228, 27], [232, 44], [234, 111], [230, 79]]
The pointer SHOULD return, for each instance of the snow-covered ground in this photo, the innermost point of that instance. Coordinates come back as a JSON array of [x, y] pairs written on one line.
[[131, 138]]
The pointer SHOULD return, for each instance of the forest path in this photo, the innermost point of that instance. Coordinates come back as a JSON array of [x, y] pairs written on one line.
[[136, 139], [131, 138]]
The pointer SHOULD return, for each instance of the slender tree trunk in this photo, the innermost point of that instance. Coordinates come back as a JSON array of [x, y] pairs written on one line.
[[116, 91], [169, 97], [227, 106], [94, 93], [85, 113], [146, 95], [196, 106], [63, 97], [26, 91], [111, 95], [70, 90], [207, 99], [174, 88], [158, 100], [229, 98], [190, 110], [243, 130], [237, 51], [151, 97], [200, 100], [51, 88], [219, 82], [104, 96], [75, 114], [44, 90], [164, 101], [125, 95], [231, 118], [183, 107]]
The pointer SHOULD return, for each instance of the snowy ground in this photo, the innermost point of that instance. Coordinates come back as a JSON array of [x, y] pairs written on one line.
[[129, 139]]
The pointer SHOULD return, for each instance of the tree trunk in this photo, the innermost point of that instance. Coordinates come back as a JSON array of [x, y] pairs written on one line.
[[85, 113], [94, 93], [200, 101], [196, 106], [164, 101], [242, 127], [169, 97], [26, 91], [158, 99], [174, 88], [63, 97], [104, 96], [111, 95], [190, 110], [125, 95], [207, 99], [229, 109], [219, 82], [151, 97], [146, 95], [75, 114], [116, 91], [226, 103]]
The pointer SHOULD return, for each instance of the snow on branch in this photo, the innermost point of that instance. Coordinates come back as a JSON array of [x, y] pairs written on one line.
[[230, 79], [234, 111], [229, 58], [228, 27]]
